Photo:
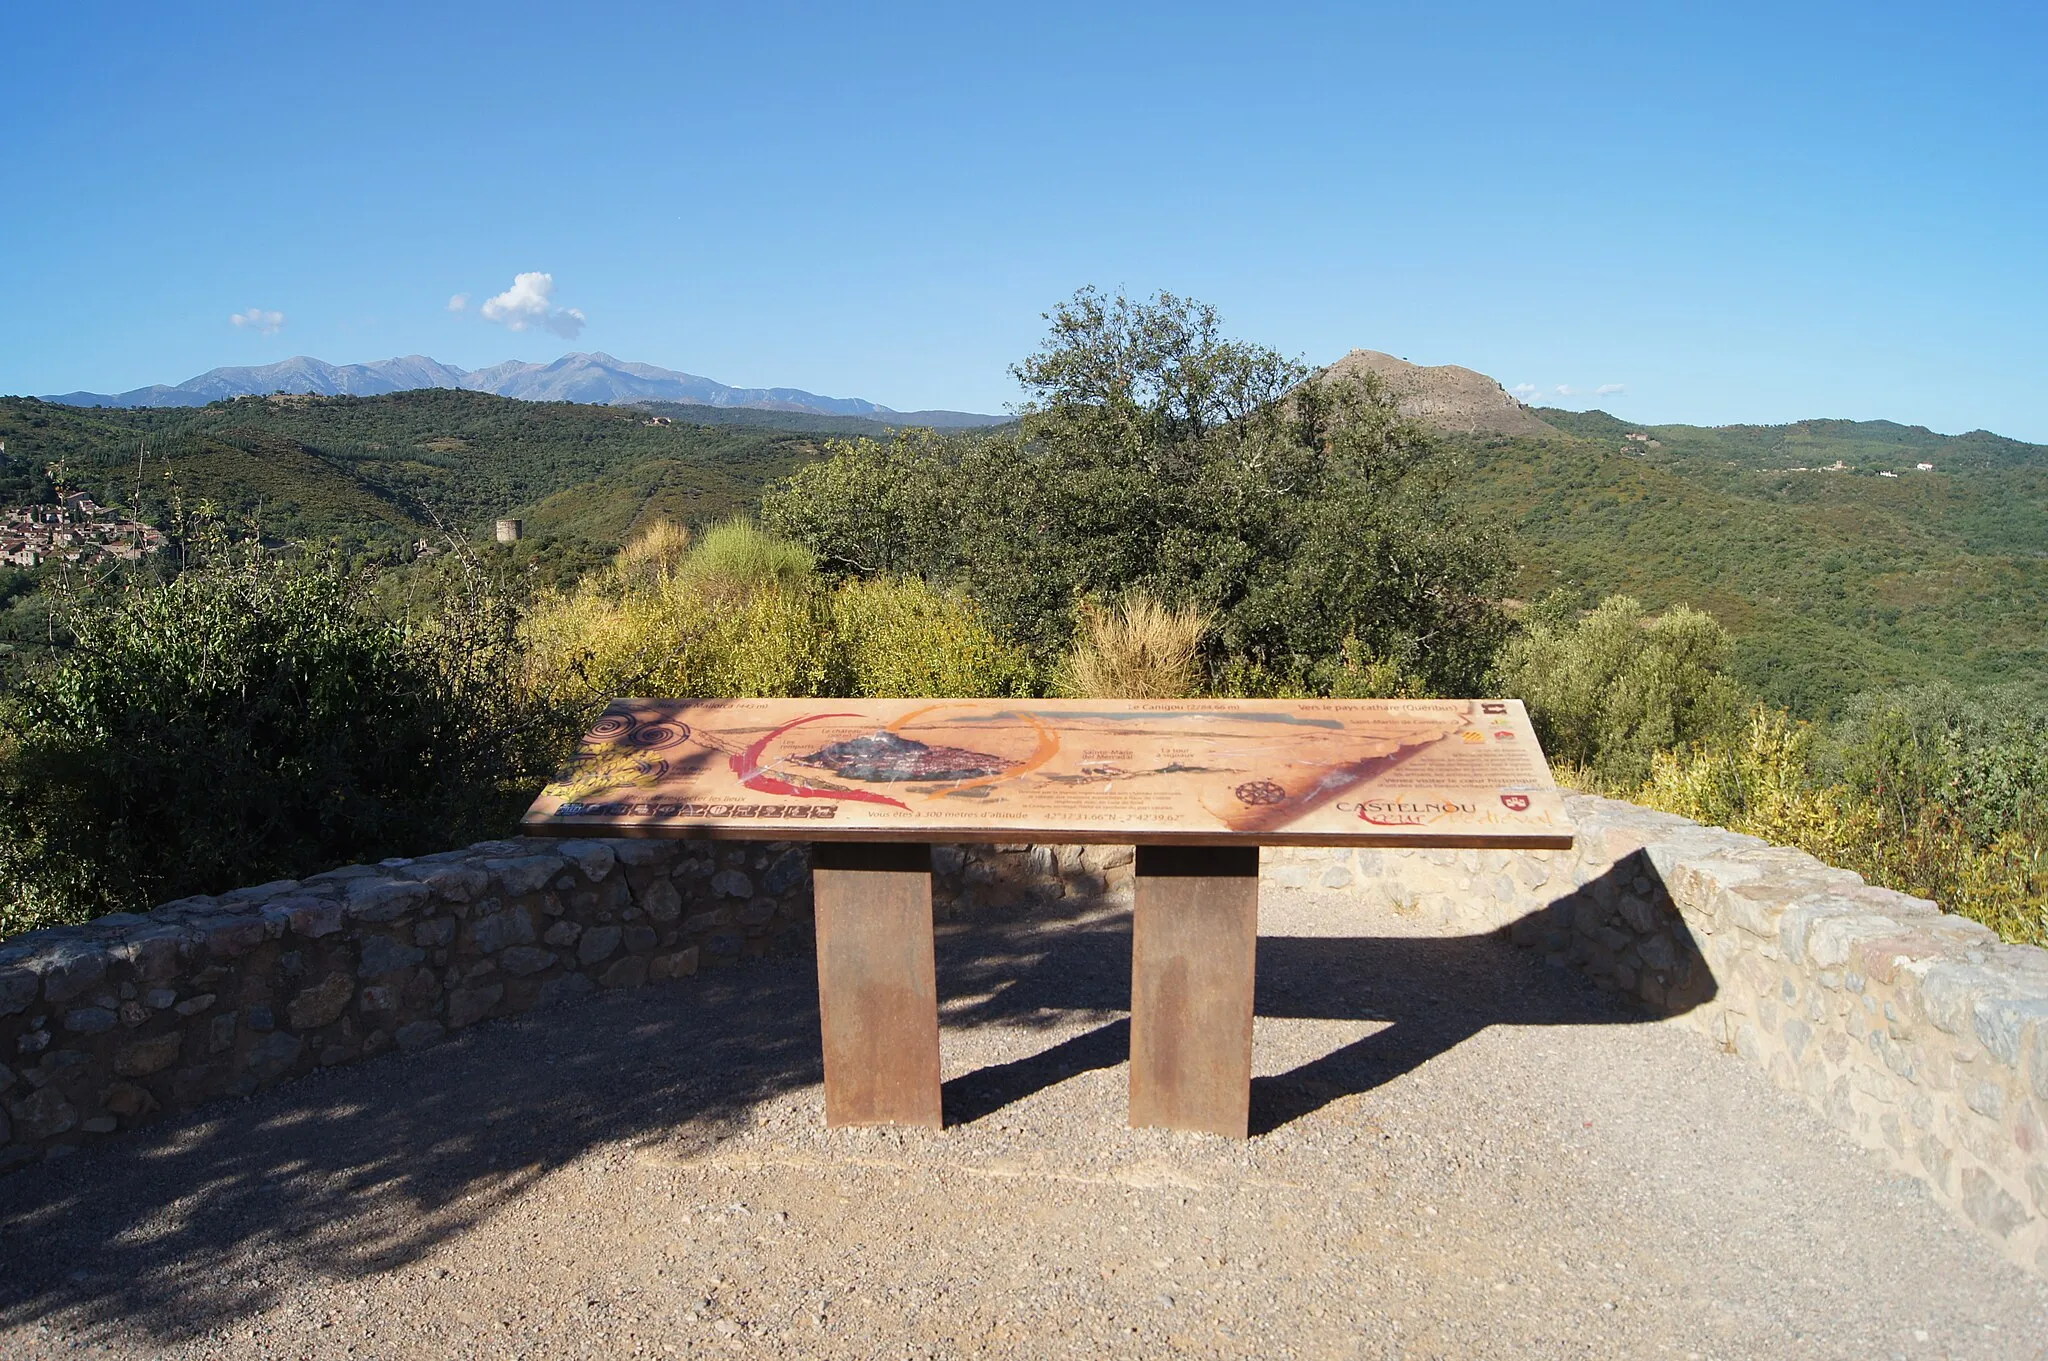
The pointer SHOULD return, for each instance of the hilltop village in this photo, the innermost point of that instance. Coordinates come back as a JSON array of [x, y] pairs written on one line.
[[76, 531]]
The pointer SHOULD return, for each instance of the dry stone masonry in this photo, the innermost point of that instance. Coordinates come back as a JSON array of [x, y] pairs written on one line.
[[1918, 1034], [103, 1025]]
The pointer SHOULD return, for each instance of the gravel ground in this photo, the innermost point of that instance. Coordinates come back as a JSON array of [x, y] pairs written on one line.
[[1458, 1152]]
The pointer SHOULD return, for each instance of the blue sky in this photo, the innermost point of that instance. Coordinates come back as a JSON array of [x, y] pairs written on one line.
[[1721, 213]]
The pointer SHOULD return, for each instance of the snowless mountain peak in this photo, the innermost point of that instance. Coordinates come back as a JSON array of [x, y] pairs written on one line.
[[595, 377]]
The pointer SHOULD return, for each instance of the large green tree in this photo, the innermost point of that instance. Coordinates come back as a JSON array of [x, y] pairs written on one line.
[[1304, 514]]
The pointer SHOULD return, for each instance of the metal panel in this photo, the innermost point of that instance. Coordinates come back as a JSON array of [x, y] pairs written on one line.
[[878, 997], [1193, 959]]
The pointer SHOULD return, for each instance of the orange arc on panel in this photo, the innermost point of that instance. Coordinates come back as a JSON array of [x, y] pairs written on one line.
[[1048, 747]]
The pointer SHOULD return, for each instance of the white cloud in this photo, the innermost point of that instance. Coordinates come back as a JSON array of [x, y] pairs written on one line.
[[1533, 393], [268, 323], [459, 302], [528, 303]]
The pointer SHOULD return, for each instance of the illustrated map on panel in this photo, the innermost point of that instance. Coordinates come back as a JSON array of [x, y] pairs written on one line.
[[1268, 772]]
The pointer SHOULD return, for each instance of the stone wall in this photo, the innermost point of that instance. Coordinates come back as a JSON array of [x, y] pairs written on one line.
[[103, 1025], [1918, 1034]]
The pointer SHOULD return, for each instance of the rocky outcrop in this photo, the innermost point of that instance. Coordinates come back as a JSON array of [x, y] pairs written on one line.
[[1445, 396]]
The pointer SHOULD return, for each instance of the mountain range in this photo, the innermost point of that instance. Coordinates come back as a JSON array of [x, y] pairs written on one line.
[[596, 378], [1446, 396]]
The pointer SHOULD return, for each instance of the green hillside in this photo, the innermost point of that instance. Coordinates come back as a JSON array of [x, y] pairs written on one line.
[[1836, 581], [372, 469]]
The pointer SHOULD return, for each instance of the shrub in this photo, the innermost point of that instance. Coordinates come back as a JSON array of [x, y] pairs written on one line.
[[735, 558], [1612, 689], [875, 509], [609, 637], [1982, 757], [1354, 673], [1760, 781], [1357, 675], [655, 553], [1138, 650], [1930, 791], [249, 720], [1770, 780], [743, 614], [901, 638]]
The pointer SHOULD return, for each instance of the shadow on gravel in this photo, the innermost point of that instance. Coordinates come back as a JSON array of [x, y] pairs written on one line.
[[186, 1227], [183, 1228], [985, 1091], [1433, 993]]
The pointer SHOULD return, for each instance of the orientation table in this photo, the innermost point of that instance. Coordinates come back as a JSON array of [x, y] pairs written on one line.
[[1198, 786]]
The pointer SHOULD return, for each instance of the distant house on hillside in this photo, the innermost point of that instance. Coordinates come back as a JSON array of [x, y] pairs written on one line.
[[1924, 467]]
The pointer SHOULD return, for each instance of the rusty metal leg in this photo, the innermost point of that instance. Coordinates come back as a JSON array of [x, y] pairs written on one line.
[[1193, 950], [878, 996]]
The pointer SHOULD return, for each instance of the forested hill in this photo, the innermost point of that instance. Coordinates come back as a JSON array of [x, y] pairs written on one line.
[[1835, 579], [1868, 447], [385, 468]]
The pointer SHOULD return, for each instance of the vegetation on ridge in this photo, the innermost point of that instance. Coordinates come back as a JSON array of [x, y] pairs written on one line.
[[380, 472], [1933, 791], [1832, 582], [1176, 512], [251, 718], [1157, 455]]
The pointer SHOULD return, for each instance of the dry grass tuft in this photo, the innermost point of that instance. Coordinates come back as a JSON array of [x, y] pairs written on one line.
[[1138, 650], [656, 552]]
